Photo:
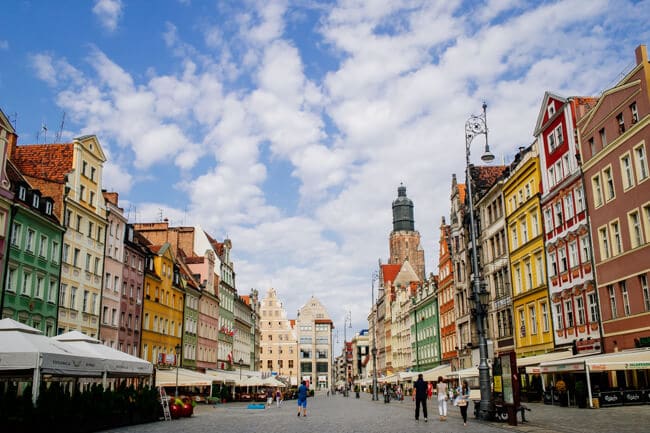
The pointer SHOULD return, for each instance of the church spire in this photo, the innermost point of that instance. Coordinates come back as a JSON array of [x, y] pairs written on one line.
[[403, 211]]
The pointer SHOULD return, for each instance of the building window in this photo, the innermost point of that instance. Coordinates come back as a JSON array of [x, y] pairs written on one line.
[[580, 205], [612, 300], [15, 234], [641, 162], [634, 113], [553, 264], [604, 243], [636, 236], [82, 192], [522, 323], [568, 307], [617, 243], [559, 219], [592, 146], [585, 254], [559, 135], [626, 172], [609, 184], [524, 231], [548, 217], [515, 242], [626, 297], [573, 254], [73, 298], [545, 324], [593, 308], [603, 138], [529, 275], [551, 141], [563, 261], [568, 206], [559, 318], [580, 310], [643, 282], [29, 244], [535, 224], [621, 123]]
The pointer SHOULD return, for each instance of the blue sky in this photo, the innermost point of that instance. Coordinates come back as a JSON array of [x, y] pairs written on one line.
[[288, 125]]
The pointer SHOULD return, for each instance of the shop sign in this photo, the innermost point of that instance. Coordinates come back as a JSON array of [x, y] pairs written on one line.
[[587, 346]]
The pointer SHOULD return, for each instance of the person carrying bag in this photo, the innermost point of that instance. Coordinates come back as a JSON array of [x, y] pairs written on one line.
[[463, 400]]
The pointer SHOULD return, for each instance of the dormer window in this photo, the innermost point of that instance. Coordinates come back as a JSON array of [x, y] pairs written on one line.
[[22, 193], [36, 201], [48, 208], [550, 109]]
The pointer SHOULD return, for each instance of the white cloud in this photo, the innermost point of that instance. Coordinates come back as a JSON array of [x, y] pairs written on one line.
[[42, 64], [387, 105], [108, 12]]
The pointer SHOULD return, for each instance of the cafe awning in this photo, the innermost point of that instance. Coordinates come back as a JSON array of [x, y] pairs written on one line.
[[432, 374], [532, 362], [634, 359], [167, 377], [465, 373]]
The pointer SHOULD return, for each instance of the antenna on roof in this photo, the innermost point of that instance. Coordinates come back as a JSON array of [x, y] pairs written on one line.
[[15, 121], [60, 131], [160, 215], [43, 131]]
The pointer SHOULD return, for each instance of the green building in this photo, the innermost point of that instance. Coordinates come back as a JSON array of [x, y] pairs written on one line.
[[30, 291], [425, 345]]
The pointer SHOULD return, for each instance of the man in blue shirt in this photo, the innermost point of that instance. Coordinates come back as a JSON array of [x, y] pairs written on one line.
[[302, 398]]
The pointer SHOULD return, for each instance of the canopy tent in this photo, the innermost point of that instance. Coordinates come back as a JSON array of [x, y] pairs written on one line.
[[433, 373], [116, 363], [463, 374], [167, 377], [400, 376], [23, 348], [222, 376], [532, 363], [634, 359], [272, 381], [251, 381]]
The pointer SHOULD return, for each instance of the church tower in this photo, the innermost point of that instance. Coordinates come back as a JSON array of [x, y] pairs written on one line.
[[404, 239]]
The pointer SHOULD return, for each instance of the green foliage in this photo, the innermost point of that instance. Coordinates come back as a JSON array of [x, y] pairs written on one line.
[[84, 410]]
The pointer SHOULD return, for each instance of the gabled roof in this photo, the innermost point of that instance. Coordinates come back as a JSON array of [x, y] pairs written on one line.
[[543, 112], [4, 120], [389, 272], [44, 161], [406, 275]]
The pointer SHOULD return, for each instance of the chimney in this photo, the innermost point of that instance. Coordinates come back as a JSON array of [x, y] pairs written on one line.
[[641, 53]]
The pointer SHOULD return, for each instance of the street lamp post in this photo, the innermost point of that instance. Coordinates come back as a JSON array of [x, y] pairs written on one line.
[[241, 361], [347, 320], [253, 361], [375, 395], [178, 351], [477, 125], [415, 319]]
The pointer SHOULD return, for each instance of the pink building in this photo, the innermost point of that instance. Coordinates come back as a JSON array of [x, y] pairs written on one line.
[[131, 300]]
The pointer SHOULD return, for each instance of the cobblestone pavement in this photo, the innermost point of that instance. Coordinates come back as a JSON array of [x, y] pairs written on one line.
[[338, 414]]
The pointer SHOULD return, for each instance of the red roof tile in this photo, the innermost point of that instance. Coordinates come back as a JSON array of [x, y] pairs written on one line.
[[389, 272], [44, 161]]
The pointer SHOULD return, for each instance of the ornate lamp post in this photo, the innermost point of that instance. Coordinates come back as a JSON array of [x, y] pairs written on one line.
[[253, 366], [178, 351], [347, 322], [375, 395], [415, 320], [477, 125]]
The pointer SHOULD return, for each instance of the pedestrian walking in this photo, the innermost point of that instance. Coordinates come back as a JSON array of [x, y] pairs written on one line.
[[462, 401], [420, 397], [302, 398], [269, 397], [278, 397], [429, 390], [441, 390]]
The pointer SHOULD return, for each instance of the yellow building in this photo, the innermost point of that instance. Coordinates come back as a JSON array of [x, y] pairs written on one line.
[[532, 320], [162, 316]]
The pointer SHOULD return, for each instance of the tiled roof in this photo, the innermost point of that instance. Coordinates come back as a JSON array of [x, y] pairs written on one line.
[[461, 192], [155, 248], [483, 177], [194, 260], [44, 161], [406, 275], [389, 272]]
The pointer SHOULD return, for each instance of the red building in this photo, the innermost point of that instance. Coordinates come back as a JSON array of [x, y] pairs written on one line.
[[446, 293], [614, 139], [572, 290]]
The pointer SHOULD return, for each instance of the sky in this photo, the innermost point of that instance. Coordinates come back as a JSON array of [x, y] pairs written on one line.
[[287, 126]]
